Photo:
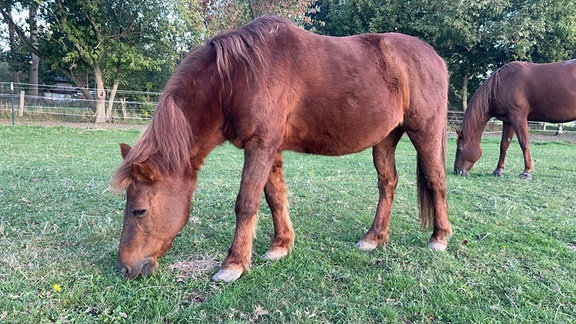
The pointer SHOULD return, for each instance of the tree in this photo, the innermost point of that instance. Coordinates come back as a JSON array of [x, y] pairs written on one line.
[[34, 59], [17, 32], [558, 40], [228, 14], [109, 38], [474, 37]]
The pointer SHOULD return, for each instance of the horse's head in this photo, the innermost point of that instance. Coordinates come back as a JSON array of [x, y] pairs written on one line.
[[157, 208], [467, 153]]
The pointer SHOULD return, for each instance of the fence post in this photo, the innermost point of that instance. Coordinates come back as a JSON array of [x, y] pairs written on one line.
[[21, 108], [12, 95], [560, 130], [123, 105]]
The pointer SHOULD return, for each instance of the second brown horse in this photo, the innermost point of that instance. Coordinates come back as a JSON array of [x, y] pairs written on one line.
[[515, 94], [268, 87]]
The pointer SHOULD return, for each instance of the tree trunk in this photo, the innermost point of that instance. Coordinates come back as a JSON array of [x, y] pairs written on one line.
[[35, 60], [12, 43], [465, 79], [100, 112], [111, 100]]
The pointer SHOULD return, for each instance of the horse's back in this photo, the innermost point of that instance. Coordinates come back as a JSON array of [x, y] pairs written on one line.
[[548, 90], [355, 90], [389, 60], [330, 95]]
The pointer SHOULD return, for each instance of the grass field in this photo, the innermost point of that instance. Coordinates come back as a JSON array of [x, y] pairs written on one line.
[[511, 259]]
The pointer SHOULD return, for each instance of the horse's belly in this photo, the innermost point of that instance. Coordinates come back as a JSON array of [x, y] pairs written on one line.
[[338, 140]]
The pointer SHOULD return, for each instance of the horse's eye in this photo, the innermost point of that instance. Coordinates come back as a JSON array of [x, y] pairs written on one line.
[[139, 212]]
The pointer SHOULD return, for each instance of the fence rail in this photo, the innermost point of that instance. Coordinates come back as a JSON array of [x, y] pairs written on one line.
[[455, 120], [66, 103]]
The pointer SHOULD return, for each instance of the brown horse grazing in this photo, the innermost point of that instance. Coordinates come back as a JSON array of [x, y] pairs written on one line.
[[515, 94], [268, 87]]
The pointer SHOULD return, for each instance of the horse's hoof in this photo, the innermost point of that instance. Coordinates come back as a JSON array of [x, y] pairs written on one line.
[[498, 173], [366, 246], [274, 255], [525, 176], [437, 246], [227, 275]]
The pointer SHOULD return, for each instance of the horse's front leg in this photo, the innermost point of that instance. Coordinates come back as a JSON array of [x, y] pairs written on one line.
[[524, 141], [258, 160], [507, 135], [384, 161], [277, 198]]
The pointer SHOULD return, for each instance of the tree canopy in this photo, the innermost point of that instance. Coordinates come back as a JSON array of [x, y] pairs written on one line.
[[474, 37], [107, 44]]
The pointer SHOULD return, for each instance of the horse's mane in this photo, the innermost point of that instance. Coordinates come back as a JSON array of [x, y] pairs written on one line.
[[478, 112], [244, 45], [168, 139], [166, 142]]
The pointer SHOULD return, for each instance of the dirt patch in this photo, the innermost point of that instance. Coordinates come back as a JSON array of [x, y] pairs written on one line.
[[194, 268], [572, 246]]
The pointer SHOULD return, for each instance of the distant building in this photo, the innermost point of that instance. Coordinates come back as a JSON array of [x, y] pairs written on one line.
[[61, 90]]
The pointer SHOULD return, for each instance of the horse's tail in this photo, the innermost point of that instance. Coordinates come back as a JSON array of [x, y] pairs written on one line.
[[424, 190]]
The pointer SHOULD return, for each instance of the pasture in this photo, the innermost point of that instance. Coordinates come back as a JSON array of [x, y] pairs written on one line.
[[512, 257]]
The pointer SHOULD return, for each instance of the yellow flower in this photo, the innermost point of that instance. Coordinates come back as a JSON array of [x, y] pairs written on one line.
[[57, 287]]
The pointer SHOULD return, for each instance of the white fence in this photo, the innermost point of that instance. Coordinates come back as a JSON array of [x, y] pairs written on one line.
[[63, 102], [455, 120], [66, 103]]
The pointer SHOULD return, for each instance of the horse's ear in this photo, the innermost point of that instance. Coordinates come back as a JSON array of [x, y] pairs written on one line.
[[143, 172], [124, 149]]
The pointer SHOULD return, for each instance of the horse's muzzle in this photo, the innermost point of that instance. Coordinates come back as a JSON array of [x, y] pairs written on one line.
[[463, 173], [145, 268]]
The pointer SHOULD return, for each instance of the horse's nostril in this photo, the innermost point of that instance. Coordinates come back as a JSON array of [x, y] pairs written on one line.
[[459, 172], [149, 267], [125, 271]]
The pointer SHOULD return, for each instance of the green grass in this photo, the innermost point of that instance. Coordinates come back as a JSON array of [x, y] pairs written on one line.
[[510, 259]]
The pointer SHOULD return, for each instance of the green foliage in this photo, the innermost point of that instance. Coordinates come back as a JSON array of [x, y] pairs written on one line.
[[139, 43], [474, 37], [511, 258], [126, 38]]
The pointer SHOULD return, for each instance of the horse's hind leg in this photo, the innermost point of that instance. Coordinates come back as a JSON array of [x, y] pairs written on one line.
[[384, 161], [431, 184], [277, 198], [507, 135], [521, 128]]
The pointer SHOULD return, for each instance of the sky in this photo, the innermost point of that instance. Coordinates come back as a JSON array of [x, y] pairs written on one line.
[[19, 17]]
